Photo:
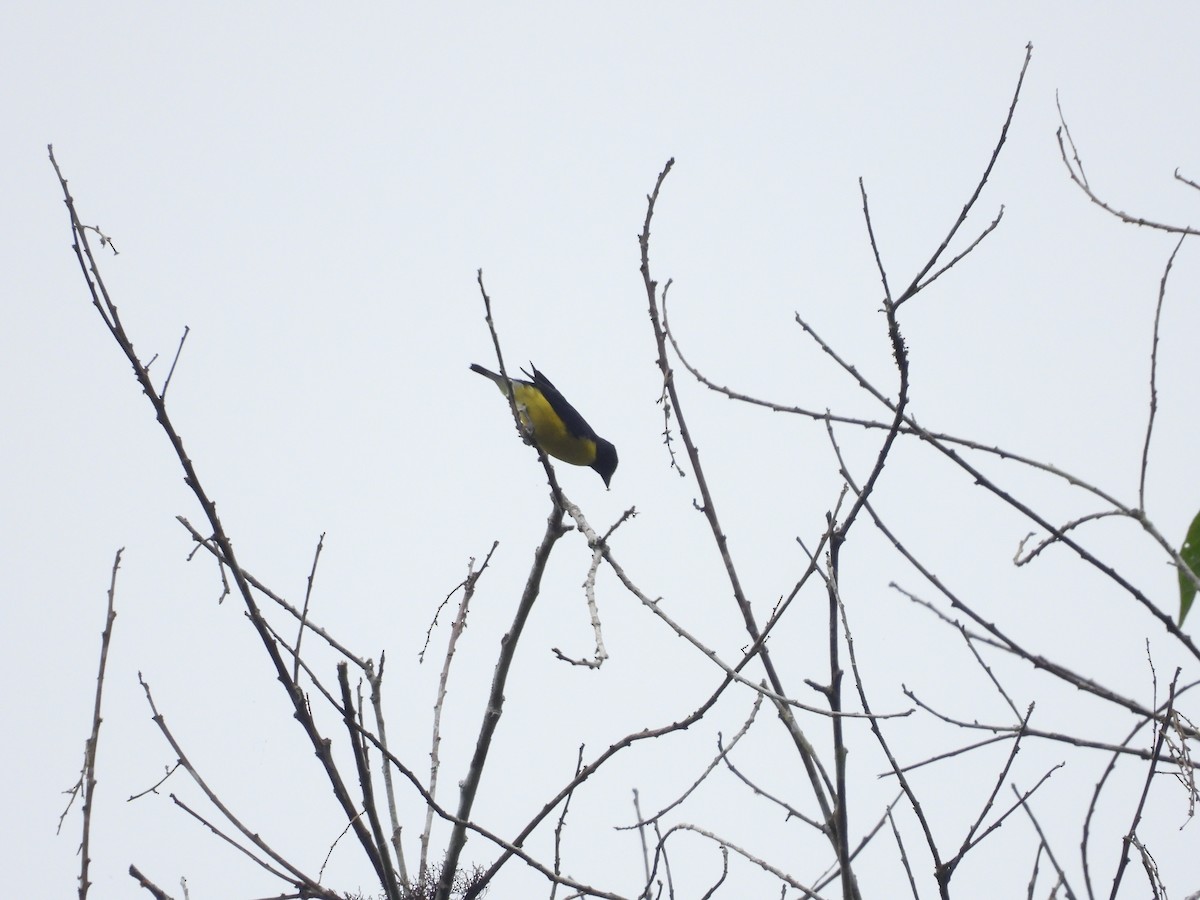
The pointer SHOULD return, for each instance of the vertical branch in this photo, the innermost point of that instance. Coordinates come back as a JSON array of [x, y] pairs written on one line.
[[562, 822], [708, 508], [304, 612], [495, 701], [375, 679], [837, 537], [382, 858], [833, 692], [1130, 838], [1162, 292], [88, 777], [456, 630], [1045, 845], [641, 829]]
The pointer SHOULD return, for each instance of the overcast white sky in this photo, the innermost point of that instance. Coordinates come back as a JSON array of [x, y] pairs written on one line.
[[311, 191]]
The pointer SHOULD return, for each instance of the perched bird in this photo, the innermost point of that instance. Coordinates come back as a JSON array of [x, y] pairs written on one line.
[[554, 424]]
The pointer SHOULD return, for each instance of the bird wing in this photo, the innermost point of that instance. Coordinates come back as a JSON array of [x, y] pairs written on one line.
[[575, 423]]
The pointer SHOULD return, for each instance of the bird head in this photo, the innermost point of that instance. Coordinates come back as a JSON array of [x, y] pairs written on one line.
[[606, 460]]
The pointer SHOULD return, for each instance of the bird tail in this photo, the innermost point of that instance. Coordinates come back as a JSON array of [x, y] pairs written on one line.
[[494, 376], [487, 373]]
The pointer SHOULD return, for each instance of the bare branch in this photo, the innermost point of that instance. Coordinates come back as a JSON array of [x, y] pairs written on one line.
[[298, 877], [495, 701], [562, 822], [312, 575], [597, 545], [104, 304], [805, 892], [1131, 835], [1062, 875], [279, 601], [87, 776], [1162, 292], [1075, 171], [174, 362], [155, 891], [243, 849], [381, 858], [456, 629], [916, 284], [722, 754], [708, 508]]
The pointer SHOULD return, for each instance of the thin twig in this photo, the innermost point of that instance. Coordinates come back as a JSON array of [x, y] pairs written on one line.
[[88, 775], [562, 822], [724, 874], [707, 506], [241, 848], [155, 891], [641, 830], [153, 789], [974, 837], [495, 700], [805, 892], [456, 629], [1075, 172], [912, 881], [834, 872], [1002, 641], [382, 858], [597, 546], [312, 574], [1162, 292], [722, 753], [174, 362], [375, 680], [916, 284], [1062, 875], [107, 309], [1131, 835], [279, 601], [298, 876]]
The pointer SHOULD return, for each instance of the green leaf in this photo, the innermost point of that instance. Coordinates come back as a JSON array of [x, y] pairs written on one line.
[[1190, 554]]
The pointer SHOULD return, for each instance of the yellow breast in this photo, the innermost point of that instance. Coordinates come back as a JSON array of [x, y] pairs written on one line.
[[549, 431]]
